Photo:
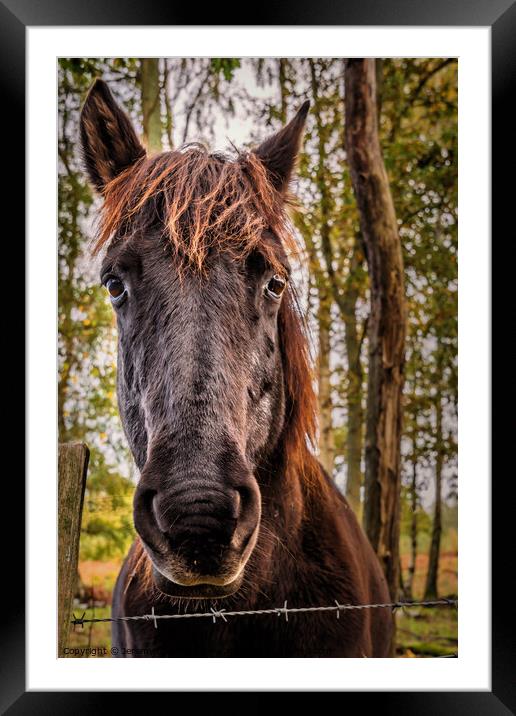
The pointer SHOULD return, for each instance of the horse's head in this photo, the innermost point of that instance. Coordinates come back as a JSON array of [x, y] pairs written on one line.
[[197, 273]]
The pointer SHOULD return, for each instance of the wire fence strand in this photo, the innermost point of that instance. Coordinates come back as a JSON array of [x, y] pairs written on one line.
[[285, 610]]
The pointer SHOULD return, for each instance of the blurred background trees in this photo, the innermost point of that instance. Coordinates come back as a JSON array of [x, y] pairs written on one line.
[[218, 101]]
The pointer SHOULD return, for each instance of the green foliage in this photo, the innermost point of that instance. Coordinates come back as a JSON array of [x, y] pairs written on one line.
[[419, 141], [107, 524]]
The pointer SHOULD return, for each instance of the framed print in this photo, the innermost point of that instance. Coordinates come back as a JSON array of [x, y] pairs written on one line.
[[271, 247]]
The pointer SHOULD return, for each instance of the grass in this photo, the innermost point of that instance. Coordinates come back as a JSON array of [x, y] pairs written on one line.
[[424, 632]]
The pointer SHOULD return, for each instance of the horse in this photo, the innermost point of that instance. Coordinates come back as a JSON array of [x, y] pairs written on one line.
[[232, 509]]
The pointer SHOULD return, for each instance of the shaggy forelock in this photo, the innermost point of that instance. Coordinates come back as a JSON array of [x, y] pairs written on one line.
[[202, 201]]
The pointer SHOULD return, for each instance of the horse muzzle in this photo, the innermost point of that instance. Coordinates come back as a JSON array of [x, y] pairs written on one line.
[[198, 533]]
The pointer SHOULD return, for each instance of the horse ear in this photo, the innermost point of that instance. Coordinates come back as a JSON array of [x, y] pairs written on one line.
[[109, 142], [279, 152]]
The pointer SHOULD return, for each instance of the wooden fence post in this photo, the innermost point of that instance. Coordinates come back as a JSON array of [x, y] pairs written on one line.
[[72, 469]]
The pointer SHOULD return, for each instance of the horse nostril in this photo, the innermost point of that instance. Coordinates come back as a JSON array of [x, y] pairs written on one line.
[[237, 504], [160, 516], [248, 502], [143, 501], [145, 519], [245, 499]]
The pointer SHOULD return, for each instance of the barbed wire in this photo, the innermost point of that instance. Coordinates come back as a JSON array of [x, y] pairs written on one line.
[[285, 610]]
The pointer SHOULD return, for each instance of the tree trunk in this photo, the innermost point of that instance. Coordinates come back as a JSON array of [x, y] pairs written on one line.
[[355, 413], [413, 525], [169, 117], [435, 544], [282, 77], [151, 105], [402, 586], [326, 442], [345, 296], [387, 320]]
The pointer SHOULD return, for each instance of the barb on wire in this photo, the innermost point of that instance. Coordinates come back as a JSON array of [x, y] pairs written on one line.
[[80, 621], [222, 613], [216, 614], [283, 610]]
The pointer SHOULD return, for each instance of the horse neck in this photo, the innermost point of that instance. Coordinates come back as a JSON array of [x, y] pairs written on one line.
[[291, 484], [295, 495]]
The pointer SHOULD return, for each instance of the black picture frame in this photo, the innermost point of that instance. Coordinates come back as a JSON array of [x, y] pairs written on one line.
[[500, 16]]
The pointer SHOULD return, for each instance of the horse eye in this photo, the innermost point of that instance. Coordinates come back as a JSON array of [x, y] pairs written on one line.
[[115, 288], [275, 287]]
